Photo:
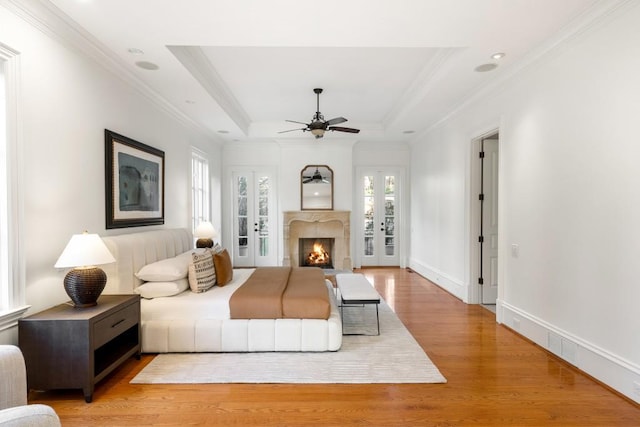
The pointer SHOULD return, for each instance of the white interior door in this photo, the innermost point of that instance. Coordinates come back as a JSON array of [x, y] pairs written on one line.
[[490, 221], [378, 216], [254, 220]]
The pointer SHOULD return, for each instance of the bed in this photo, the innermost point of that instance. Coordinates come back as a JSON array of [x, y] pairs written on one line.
[[201, 322]]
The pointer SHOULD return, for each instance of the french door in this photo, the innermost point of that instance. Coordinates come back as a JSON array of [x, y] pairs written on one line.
[[254, 219], [379, 217]]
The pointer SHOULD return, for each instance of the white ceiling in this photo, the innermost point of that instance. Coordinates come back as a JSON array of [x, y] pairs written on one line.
[[389, 66]]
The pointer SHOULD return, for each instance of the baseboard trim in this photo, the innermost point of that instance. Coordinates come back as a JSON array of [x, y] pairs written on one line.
[[612, 370], [446, 282]]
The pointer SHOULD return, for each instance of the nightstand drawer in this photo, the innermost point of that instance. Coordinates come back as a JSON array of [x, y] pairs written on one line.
[[115, 324]]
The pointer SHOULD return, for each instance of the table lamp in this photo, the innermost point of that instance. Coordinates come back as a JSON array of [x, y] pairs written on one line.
[[205, 234], [84, 282]]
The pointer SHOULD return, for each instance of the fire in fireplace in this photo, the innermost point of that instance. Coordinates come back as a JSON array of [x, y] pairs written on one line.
[[316, 252]]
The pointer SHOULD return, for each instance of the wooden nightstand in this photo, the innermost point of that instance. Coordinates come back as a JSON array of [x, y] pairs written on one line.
[[66, 347]]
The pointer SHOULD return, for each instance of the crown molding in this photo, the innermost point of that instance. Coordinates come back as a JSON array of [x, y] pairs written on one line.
[[50, 20]]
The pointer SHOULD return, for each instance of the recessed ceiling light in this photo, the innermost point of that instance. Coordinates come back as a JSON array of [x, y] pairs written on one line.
[[147, 65], [408, 131], [135, 51], [485, 67], [223, 131], [498, 55]]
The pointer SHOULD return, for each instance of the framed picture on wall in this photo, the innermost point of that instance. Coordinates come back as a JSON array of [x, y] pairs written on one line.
[[134, 182]]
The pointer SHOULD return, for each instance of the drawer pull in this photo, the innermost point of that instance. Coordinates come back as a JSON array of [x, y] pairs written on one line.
[[117, 323]]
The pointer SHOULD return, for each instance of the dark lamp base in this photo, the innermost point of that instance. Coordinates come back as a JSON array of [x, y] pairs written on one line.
[[204, 243], [84, 285]]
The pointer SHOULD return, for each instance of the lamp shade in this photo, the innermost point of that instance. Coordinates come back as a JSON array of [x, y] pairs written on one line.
[[84, 250], [205, 231]]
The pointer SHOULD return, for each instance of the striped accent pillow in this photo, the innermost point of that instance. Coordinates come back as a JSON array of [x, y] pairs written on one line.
[[202, 272]]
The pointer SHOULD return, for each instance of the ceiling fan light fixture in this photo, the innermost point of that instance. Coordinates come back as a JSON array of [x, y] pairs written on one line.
[[319, 125]]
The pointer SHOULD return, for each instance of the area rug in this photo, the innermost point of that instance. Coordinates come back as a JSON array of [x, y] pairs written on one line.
[[392, 357]]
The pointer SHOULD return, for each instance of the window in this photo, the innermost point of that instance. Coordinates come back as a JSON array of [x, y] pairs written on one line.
[[12, 285], [200, 194]]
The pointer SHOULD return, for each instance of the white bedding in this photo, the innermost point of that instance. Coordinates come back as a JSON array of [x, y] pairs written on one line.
[[168, 326], [213, 304]]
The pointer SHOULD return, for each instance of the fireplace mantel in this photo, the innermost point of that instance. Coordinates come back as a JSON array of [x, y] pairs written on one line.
[[333, 224]]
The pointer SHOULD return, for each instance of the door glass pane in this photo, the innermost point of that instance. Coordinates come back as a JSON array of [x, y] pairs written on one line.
[[242, 186], [243, 240], [242, 196], [263, 215], [389, 248], [243, 229], [369, 210], [388, 226], [242, 206], [389, 214], [263, 236], [263, 195], [264, 246]]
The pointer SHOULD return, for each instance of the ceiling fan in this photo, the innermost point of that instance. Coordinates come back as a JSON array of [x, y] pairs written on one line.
[[319, 125], [316, 177]]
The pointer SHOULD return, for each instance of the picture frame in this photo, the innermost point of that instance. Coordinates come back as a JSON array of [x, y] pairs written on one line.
[[134, 182]]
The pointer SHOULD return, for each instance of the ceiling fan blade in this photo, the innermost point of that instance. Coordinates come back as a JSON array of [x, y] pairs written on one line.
[[336, 121], [300, 123], [291, 130], [341, 129]]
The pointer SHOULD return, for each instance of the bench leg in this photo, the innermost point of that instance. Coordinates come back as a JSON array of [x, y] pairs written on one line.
[[342, 305]]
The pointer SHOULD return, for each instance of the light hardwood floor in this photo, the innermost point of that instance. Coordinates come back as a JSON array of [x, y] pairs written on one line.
[[495, 378]]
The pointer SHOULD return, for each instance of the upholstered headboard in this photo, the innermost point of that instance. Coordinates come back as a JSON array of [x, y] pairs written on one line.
[[135, 250]]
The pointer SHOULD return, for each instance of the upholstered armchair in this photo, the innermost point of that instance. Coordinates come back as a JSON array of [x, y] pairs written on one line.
[[14, 411]]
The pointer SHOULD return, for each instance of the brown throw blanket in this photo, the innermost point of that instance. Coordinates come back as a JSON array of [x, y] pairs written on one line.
[[282, 293]]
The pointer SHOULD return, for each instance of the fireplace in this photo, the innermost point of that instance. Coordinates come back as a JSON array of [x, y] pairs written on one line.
[[316, 252], [317, 225]]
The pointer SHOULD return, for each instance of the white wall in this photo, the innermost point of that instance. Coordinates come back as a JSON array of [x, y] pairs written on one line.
[[66, 102], [568, 197]]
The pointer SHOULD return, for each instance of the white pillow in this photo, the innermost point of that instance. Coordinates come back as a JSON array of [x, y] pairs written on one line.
[[166, 270], [162, 289]]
